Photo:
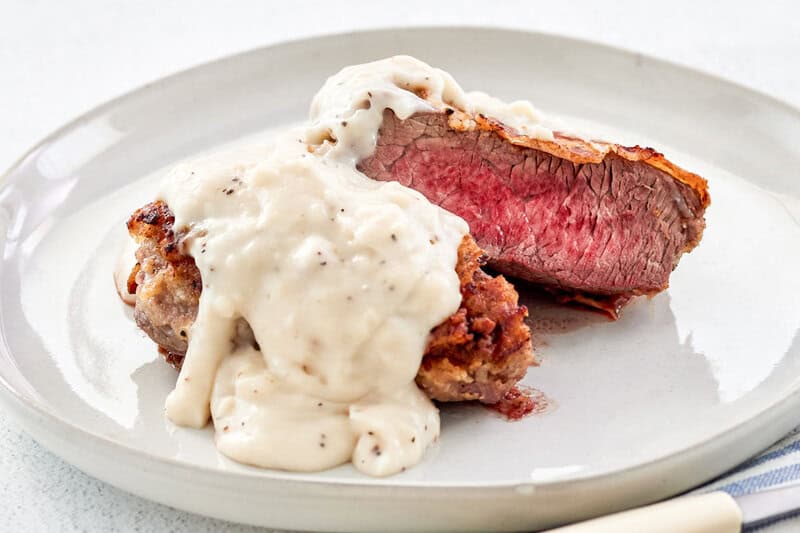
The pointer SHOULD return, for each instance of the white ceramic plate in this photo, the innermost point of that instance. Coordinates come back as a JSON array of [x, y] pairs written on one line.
[[683, 387]]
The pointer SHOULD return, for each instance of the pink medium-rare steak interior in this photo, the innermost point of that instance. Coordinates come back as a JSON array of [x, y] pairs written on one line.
[[612, 228]]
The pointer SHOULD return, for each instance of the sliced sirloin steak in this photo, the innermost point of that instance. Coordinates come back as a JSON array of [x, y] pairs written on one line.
[[594, 222]]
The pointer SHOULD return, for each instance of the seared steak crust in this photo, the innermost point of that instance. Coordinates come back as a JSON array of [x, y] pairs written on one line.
[[595, 220], [479, 353]]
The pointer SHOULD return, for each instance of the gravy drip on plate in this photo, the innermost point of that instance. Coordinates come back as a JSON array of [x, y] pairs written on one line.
[[320, 289]]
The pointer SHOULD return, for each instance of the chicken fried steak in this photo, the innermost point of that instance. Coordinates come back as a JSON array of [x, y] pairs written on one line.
[[478, 353]]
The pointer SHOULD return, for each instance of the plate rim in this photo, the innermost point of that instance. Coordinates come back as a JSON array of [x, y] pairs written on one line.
[[105, 104], [20, 407]]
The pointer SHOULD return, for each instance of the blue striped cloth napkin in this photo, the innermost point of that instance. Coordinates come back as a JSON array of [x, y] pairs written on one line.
[[775, 467]]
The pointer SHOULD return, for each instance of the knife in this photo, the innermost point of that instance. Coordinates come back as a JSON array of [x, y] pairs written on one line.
[[714, 512]]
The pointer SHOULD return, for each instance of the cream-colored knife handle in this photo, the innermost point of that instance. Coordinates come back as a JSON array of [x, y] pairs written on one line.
[[715, 512]]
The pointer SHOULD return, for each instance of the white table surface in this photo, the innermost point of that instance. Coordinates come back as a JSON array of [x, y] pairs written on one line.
[[59, 59]]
